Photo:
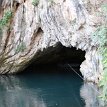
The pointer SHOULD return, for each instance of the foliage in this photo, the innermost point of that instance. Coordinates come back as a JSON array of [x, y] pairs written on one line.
[[51, 1], [104, 8], [21, 47], [1, 32], [103, 82], [100, 36], [35, 2], [4, 21]]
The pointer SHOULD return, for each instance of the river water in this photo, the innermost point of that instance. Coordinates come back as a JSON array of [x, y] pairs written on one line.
[[46, 89]]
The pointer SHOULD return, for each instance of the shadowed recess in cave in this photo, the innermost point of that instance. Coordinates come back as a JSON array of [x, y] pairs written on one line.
[[56, 59]]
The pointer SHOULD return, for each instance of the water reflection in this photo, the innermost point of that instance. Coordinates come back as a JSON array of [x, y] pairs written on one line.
[[47, 90], [14, 93], [40, 90], [90, 93]]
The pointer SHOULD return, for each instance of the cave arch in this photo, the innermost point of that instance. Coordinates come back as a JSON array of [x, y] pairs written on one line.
[[36, 29], [56, 59]]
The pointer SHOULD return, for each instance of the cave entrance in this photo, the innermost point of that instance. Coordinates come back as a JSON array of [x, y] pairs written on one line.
[[56, 59]]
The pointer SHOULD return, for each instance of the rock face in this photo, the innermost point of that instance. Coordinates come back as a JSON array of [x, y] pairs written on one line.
[[32, 29]]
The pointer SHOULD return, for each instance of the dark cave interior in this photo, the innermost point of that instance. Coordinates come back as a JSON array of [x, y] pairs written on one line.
[[56, 59]]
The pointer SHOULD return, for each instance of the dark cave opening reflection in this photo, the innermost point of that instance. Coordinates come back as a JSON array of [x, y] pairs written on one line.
[[51, 83], [47, 90], [41, 90]]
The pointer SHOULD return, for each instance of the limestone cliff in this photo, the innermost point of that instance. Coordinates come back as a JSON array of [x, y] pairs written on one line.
[[34, 28]]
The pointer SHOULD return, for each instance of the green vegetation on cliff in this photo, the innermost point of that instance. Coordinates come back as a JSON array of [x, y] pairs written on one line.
[[6, 18], [21, 47], [35, 2], [100, 36]]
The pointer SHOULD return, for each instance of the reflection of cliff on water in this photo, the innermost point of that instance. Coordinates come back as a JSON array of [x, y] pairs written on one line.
[[14, 93], [90, 93], [40, 90]]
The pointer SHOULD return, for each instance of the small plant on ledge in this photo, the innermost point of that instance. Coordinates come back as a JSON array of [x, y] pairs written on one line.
[[6, 18], [21, 47], [35, 2]]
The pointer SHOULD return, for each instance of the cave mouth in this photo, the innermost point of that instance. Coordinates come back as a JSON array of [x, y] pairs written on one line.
[[56, 60]]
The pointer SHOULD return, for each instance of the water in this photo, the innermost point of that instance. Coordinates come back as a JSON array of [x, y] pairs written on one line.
[[56, 89]]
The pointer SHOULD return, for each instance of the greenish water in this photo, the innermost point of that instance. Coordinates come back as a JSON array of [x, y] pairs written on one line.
[[55, 89]]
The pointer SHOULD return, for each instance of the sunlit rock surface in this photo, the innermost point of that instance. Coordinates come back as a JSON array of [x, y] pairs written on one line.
[[35, 28]]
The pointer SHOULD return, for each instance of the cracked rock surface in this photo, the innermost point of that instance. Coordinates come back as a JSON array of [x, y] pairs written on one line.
[[35, 28]]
